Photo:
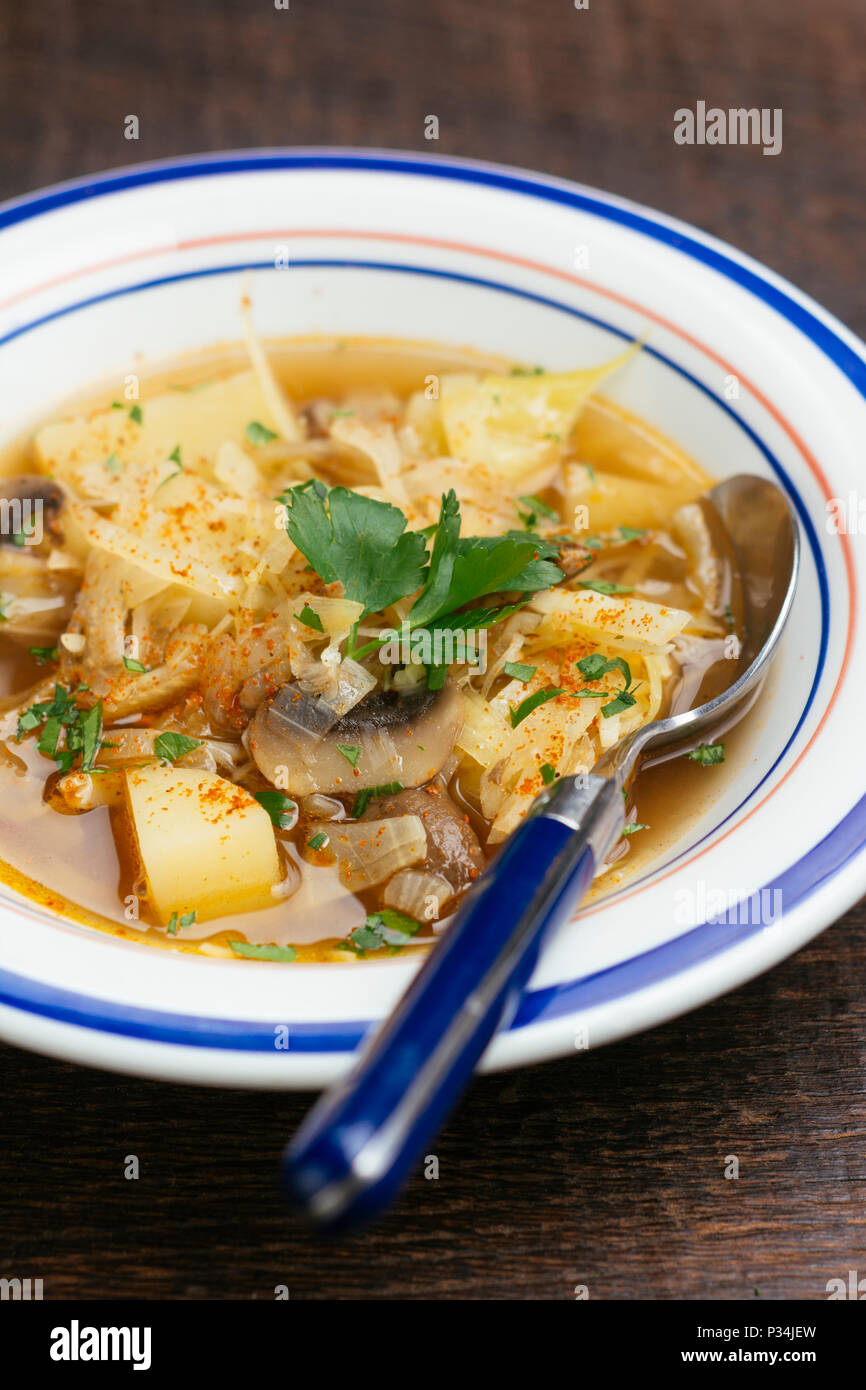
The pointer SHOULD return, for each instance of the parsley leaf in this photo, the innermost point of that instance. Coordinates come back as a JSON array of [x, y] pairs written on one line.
[[185, 920], [88, 732], [632, 827], [136, 414], [435, 597], [624, 700], [170, 746], [534, 508], [707, 754], [475, 618], [357, 541], [254, 952], [518, 671], [594, 667], [310, 618], [387, 927], [350, 751], [135, 666], [281, 809], [490, 564], [519, 712], [548, 774], [602, 586], [258, 433], [363, 799], [44, 654], [81, 728]]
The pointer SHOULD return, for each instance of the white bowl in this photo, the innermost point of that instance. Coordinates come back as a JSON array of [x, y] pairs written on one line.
[[740, 368]]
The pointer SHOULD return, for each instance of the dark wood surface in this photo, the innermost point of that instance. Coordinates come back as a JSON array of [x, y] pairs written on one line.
[[606, 1169]]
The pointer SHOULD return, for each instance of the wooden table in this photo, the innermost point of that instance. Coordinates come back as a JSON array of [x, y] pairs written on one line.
[[606, 1169]]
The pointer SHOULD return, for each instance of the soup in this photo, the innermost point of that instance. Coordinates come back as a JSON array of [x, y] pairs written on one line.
[[291, 644]]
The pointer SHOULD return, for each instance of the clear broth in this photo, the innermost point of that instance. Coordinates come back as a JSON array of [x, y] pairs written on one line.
[[70, 864]]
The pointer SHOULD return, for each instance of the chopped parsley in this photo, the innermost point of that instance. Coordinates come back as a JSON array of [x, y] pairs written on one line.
[[44, 654], [603, 586], [113, 463], [136, 667], [708, 754], [174, 457], [258, 433], [136, 414], [171, 746], [533, 507], [254, 952], [364, 797], [630, 533], [548, 774], [281, 809], [519, 712], [387, 927], [62, 718], [350, 751], [632, 827], [594, 667], [624, 700], [518, 671], [318, 841], [310, 618], [185, 920]]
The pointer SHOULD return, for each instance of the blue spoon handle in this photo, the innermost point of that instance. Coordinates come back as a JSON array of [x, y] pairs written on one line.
[[351, 1154]]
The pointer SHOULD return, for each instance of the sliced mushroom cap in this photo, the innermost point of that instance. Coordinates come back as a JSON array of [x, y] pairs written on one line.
[[301, 746], [453, 848], [39, 499]]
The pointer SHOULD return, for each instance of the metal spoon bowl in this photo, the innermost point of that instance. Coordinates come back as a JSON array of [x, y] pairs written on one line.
[[763, 534]]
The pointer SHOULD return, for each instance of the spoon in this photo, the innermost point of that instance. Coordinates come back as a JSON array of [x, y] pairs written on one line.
[[352, 1152]]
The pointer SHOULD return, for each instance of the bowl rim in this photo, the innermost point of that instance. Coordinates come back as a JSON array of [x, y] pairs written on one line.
[[825, 862]]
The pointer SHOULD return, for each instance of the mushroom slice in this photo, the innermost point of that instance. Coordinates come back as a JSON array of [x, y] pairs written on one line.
[[453, 850], [30, 504], [300, 744]]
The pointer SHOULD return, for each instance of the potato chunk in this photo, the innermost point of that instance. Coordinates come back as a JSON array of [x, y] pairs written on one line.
[[205, 845]]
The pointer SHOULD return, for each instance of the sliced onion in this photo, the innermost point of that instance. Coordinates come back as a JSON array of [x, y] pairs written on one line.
[[418, 894], [325, 807], [353, 683], [382, 763], [369, 852]]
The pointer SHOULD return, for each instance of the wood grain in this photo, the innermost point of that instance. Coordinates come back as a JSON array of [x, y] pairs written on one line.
[[604, 1169]]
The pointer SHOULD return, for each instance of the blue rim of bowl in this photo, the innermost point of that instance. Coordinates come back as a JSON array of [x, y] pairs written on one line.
[[823, 862]]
